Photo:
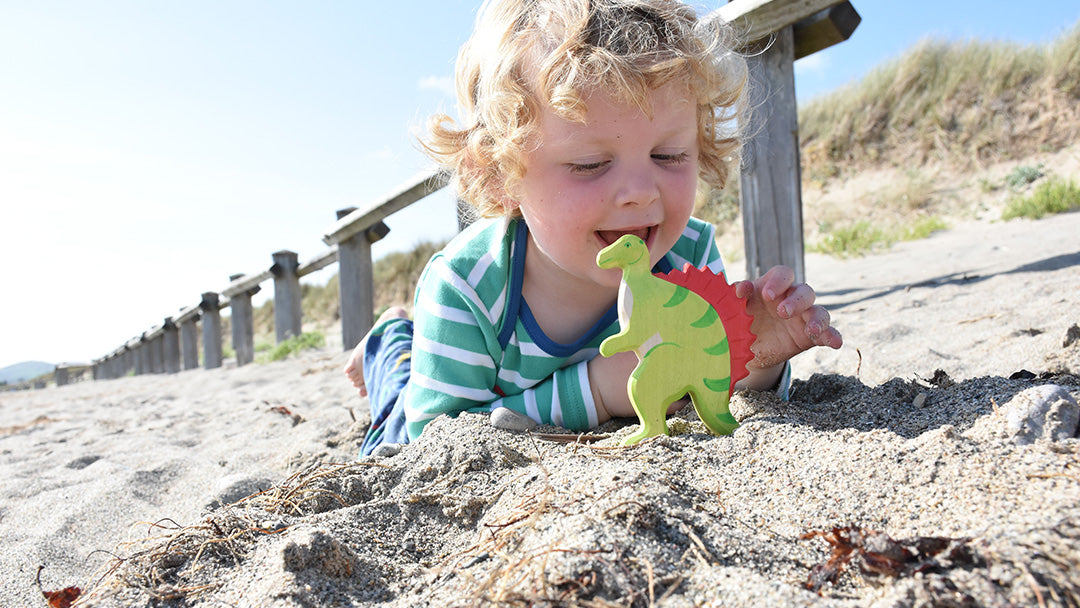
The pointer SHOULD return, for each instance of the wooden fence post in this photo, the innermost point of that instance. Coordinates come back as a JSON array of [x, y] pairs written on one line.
[[770, 182], [211, 330], [171, 342], [130, 356], [142, 357], [243, 323], [134, 359], [189, 341], [353, 233], [356, 281], [287, 314], [157, 351]]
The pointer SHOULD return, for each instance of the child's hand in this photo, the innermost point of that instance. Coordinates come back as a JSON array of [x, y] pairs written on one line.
[[786, 320]]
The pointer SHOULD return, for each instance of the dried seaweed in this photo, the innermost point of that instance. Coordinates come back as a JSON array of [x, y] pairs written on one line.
[[880, 554]]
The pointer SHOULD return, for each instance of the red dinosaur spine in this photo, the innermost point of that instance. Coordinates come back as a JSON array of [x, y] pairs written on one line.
[[720, 294]]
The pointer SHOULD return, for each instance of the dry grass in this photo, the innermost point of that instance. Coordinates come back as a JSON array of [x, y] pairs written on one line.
[[175, 563], [962, 104]]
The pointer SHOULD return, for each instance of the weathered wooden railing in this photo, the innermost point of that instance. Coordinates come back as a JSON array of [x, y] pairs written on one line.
[[783, 30], [173, 345]]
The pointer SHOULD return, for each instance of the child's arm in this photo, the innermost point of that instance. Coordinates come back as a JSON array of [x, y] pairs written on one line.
[[456, 362], [786, 323], [608, 377]]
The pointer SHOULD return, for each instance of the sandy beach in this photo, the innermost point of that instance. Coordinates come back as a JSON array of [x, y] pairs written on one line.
[[901, 473]]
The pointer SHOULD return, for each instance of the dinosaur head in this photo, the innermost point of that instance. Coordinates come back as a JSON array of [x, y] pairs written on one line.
[[623, 253]]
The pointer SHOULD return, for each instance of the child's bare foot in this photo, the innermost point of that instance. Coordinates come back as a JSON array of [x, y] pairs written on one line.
[[354, 367]]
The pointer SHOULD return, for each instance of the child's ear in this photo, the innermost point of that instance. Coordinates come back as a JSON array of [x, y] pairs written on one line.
[[508, 200]]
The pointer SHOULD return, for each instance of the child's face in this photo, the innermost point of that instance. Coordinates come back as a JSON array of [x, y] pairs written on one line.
[[585, 185]]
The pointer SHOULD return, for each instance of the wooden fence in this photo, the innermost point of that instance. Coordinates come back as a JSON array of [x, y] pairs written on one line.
[[784, 30]]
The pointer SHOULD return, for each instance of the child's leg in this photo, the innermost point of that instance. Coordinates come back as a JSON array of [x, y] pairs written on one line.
[[386, 366]]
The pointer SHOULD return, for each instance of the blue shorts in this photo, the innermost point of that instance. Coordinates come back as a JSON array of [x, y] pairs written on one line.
[[387, 364]]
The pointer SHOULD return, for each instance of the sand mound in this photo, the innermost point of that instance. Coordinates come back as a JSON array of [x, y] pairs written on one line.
[[896, 475]]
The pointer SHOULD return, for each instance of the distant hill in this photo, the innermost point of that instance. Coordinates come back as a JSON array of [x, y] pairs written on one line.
[[25, 371]]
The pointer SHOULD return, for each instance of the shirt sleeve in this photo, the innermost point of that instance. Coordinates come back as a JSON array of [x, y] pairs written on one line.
[[456, 357], [562, 399], [452, 366]]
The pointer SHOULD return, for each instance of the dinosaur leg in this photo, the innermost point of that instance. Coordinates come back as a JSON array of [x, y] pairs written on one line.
[[650, 396], [711, 404]]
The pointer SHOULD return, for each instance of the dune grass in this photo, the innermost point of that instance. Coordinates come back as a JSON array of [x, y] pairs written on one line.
[[863, 237], [963, 102], [292, 346], [1054, 195]]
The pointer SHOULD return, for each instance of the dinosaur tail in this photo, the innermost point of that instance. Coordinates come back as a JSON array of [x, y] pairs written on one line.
[[715, 290]]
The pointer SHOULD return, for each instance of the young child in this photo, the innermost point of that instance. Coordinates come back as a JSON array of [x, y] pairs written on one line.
[[582, 121]]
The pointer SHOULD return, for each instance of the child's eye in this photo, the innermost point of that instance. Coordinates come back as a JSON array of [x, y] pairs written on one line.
[[587, 168], [671, 159]]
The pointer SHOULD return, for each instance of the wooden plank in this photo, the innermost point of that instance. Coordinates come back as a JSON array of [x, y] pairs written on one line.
[[187, 313], [822, 30], [756, 19], [363, 218], [244, 283], [770, 183], [319, 262]]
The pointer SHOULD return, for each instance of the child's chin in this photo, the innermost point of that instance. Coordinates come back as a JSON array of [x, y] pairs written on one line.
[[611, 278]]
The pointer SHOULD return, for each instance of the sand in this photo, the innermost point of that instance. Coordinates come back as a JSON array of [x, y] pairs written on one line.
[[890, 479]]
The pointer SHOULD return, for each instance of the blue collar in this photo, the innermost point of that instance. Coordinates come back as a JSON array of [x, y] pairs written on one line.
[[518, 309]]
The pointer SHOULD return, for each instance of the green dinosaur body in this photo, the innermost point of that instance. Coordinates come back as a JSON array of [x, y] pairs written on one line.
[[675, 325]]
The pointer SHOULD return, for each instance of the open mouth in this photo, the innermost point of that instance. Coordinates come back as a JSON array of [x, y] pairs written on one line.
[[610, 236]]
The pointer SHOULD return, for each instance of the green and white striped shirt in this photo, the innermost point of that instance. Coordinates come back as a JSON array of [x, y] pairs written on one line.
[[477, 346]]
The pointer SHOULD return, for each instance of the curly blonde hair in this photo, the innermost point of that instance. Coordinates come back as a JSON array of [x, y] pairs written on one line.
[[527, 53]]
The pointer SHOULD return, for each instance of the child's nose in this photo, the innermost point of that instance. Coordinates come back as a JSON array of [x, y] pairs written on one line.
[[637, 186]]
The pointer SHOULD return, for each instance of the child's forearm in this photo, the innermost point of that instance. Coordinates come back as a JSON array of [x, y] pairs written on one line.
[[762, 379], [608, 377]]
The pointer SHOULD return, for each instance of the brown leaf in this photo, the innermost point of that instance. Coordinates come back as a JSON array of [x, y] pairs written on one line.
[[63, 598], [58, 599]]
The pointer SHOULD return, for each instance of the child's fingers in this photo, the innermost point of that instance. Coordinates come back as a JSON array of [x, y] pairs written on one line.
[[744, 289], [819, 330], [776, 282], [830, 338], [799, 299]]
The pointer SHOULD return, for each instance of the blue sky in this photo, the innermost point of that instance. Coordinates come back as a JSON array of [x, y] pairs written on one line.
[[150, 149]]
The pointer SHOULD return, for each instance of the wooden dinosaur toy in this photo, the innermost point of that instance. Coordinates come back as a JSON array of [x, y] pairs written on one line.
[[691, 335]]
